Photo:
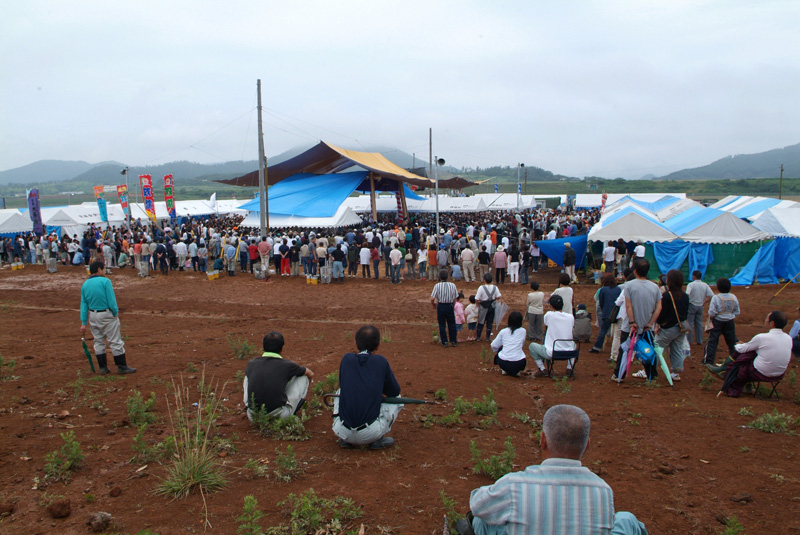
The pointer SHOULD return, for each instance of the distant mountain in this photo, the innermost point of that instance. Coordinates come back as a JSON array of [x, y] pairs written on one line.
[[761, 165], [182, 170], [44, 171]]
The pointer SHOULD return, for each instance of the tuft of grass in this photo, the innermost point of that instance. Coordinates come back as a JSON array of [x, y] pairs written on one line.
[[194, 465], [286, 466], [525, 418], [140, 410], [495, 466], [450, 512], [791, 378], [733, 527], [7, 369], [310, 513], [706, 381], [745, 411], [774, 422], [563, 386], [258, 467], [328, 386], [146, 453], [241, 347], [291, 428], [191, 367], [744, 449], [59, 464], [386, 336], [249, 519], [778, 478], [440, 395]]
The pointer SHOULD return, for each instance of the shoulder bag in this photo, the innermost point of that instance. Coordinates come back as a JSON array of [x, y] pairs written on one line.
[[685, 327]]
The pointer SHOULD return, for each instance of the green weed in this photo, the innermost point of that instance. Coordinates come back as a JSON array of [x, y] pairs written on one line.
[[450, 511], [732, 527], [744, 449], [248, 520], [147, 453], [778, 478], [774, 422], [286, 466], [191, 367], [309, 513], [241, 347], [791, 378], [7, 369], [706, 381], [745, 411], [291, 428], [563, 386], [386, 336], [327, 386], [259, 468], [140, 411], [495, 466], [60, 463], [440, 395]]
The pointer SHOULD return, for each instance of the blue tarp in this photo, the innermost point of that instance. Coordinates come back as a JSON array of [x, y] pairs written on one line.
[[309, 195], [554, 249], [787, 258], [755, 208], [761, 267], [692, 218], [672, 255]]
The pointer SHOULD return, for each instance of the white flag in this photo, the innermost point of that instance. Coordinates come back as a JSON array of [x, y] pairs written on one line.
[[213, 201]]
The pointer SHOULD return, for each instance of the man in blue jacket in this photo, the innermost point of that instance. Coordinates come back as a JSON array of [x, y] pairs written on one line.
[[99, 309], [359, 415]]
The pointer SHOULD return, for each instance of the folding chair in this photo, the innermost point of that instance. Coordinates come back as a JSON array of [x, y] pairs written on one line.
[[775, 382], [564, 355]]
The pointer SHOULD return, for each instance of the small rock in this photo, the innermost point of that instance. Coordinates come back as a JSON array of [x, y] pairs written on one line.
[[115, 492], [7, 509], [59, 509], [741, 497], [111, 432], [666, 469], [99, 521]]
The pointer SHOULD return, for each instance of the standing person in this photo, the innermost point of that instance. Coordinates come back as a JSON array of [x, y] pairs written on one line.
[[609, 256], [508, 346], [487, 294], [535, 254], [569, 262], [608, 296], [276, 385], [338, 257], [396, 259], [183, 252], [461, 317], [535, 312], [643, 305], [286, 266], [99, 308], [794, 334], [359, 415], [202, 256], [560, 495], [468, 264], [699, 293], [565, 292], [263, 252], [483, 262], [442, 257], [363, 256], [513, 263], [160, 257], [471, 313], [674, 310], [193, 255], [722, 312], [352, 258], [375, 257], [443, 299], [500, 261]]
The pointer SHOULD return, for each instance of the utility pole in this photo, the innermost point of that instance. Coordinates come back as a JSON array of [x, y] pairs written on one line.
[[262, 195], [526, 181], [780, 185]]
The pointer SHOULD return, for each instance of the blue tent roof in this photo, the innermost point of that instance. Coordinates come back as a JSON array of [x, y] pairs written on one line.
[[691, 219], [730, 202], [607, 220], [755, 208], [309, 195]]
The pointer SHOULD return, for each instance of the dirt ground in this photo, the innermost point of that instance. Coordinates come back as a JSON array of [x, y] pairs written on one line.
[[674, 456]]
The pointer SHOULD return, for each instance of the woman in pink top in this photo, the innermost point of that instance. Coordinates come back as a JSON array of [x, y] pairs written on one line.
[[499, 260], [458, 308]]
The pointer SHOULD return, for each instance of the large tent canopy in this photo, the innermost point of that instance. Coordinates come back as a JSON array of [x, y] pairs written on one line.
[[708, 225], [324, 158], [780, 222], [12, 222], [595, 200], [309, 195], [631, 224], [751, 208], [343, 217]]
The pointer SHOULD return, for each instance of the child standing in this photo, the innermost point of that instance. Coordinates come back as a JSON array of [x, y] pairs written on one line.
[[535, 313], [722, 311], [458, 308], [471, 313]]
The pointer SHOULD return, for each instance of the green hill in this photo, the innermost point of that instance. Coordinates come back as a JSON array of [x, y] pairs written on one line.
[[761, 165]]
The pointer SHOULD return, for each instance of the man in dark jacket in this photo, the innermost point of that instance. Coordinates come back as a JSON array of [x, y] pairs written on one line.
[[359, 415], [569, 262]]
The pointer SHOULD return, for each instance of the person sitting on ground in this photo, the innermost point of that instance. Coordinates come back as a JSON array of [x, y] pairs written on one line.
[[359, 415], [582, 329], [559, 327], [764, 358], [277, 385], [507, 346], [560, 495]]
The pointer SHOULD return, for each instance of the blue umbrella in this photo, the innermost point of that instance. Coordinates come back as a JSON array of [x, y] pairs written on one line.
[[663, 362]]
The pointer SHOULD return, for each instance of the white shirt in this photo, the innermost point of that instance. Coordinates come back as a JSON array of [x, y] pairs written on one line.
[[396, 257], [551, 235], [609, 253], [559, 327], [774, 350], [511, 344], [487, 292], [364, 256], [639, 251], [566, 294], [698, 291]]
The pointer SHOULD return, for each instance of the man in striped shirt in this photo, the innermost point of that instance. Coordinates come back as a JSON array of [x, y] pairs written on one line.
[[559, 496], [443, 299]]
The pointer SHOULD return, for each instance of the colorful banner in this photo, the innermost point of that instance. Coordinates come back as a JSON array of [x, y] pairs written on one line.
[[101, 203], [495, 188], [98, 192], [122, 193], [34, 211], [147, 196], [603, 203], [169, 197]]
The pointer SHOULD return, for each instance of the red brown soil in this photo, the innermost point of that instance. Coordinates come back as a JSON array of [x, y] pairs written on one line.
[[674, 456]]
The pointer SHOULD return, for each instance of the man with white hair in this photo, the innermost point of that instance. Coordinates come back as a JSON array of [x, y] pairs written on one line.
[[560, 495]]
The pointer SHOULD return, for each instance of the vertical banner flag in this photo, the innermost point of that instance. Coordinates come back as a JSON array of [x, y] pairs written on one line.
[[212, 201], [603, 203], [400, 214], [2, 203], [34, 211], [147, 196], [495, 188], [519, 188], [122, 193], [101, 203], [169, 197]]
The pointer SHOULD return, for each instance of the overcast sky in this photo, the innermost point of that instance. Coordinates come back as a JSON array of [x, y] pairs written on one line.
[[609, 88]]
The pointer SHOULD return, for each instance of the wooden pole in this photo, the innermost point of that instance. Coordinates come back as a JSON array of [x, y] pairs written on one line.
[[262, 189], [402, 190], [372, 200]]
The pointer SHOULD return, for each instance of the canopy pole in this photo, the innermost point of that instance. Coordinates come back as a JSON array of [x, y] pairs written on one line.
[[401, 188], [262, 189], [372, 202]]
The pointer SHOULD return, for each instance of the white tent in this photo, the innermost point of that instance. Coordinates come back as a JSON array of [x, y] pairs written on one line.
[[451, 204], [676, 208], [780, 222], [709, 225], [595, 200], [631, 225], [504, 201], [12, 221], [383, 203], [344, 217]]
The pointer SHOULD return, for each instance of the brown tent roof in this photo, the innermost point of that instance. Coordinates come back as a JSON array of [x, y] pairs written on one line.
[[325, 158], [456, 182]]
